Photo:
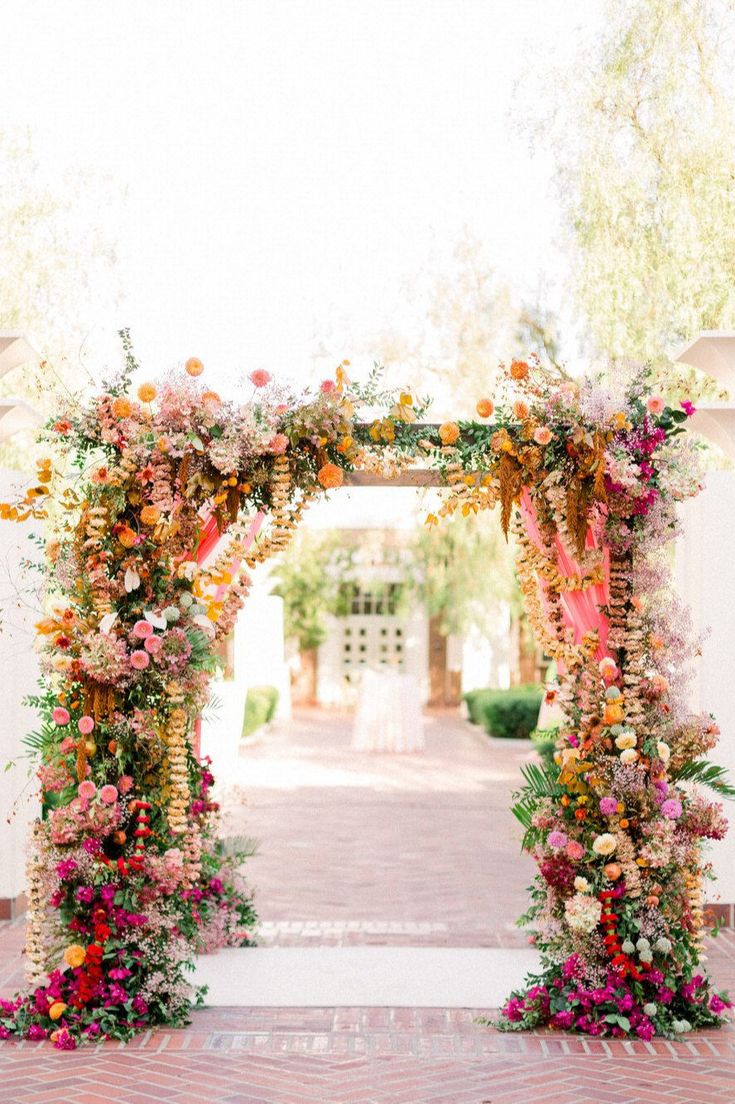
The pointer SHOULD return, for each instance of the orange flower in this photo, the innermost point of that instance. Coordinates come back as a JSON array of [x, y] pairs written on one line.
[[147, 392], [102, 475], [614, 714], [485, 408], [122, 407], [330, 476], [542, 435], [194, 366], [211, 398], [518, 370], [126, 536], [75, 955], [448, 433], [520, 409], [149, 515], [57, 1009]]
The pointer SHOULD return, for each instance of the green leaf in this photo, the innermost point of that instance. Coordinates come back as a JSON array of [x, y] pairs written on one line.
[[705, 773]]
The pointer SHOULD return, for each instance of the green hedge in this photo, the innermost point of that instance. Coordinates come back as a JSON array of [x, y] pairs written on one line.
[[260, 708], [506, 713], [544, 740]]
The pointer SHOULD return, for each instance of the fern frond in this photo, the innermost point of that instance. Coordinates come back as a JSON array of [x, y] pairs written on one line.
[[709, 774]]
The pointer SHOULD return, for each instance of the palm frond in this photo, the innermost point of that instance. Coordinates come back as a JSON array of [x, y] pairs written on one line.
[[709, 774]]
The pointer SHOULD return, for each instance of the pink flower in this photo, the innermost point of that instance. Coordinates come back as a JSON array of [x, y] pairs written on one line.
[[671, 809], [655, 404], [142, 629], [85, 725], [153, 645], [139, 660], [557, 839], [67, 744], [327, 387], [278, 444], [108, 794], [688, 407], [125, 783], [608, 806], [259, 378], [575, 850], [542, 435], [86, 790], [61, 716]]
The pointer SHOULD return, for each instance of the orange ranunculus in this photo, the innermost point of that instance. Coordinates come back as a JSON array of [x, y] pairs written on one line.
[[448, 433], [331, 476], [57, 1009], [147, 392], [126, 536], [75, 955], [518, 370], [485, 408], [122, 407], [194, 366], [150, 515]]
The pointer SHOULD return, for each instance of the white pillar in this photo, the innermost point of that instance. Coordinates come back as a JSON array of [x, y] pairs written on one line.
[[705, 572], [18, 785]]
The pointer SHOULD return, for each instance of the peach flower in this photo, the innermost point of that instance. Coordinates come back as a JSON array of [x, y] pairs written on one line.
[[194, 366], [542, 435], [330, 476], [655, 404], [259, 378]]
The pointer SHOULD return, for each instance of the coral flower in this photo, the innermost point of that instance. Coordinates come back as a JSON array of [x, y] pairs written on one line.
[[259, 378], [574, 850], [194, 366], [211, 398], [150, 515], [518, 370], [61, 716], [139, 660], [542, 435], [448, 433], [147, 392], [331, 476], [74, 955], [122, 407], [278, 444], [125, 783], [655, 404], [108, 794], [101, 475], [520, 409], [153, 645], [85, 725], [485, 408], [86, 790], [327, 387], [142, 629]]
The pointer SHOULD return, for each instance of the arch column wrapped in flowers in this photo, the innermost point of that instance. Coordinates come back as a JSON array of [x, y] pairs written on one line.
[[127, 874]]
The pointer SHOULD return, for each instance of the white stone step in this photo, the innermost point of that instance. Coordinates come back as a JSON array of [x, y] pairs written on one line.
[[405, 977]]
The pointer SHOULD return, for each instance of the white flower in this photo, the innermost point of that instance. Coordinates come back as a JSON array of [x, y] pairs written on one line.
[[172, 613], [581, 885], [604, 844], [155, 619], [662, 945], [583, 913], [188, 570], [626, 740], [643, 944], [664, 751], [132, 580], [628, 756], [107, 622], [202, 622], [650, 1009], [628, 947]]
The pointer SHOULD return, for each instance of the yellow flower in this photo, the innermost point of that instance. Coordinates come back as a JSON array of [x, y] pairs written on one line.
[[147, 392], [448, 433], [604, 844], [432, 519], [57, 1009], [406, 399], [74, 955], [150, 515]]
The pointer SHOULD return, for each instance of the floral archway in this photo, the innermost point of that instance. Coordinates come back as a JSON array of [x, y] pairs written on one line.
[[156, 504]]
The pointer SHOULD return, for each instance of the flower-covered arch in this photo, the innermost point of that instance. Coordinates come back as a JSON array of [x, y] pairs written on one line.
[[156, 505]]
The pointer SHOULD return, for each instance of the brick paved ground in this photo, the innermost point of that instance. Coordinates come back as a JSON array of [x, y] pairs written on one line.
[[354, 849]]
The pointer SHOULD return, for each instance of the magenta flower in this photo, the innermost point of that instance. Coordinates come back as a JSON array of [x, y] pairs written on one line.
[[688, 407], [671, 809], [608, 806]]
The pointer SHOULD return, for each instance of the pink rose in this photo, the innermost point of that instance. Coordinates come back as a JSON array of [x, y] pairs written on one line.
[[108, 794], [139, 660], [278, 444], [86, 790], [153, 645], [574, 850], [327, 387], [85, 725], [655, 404], [142, 629], [259, 378], [125, 783], [61, 716]]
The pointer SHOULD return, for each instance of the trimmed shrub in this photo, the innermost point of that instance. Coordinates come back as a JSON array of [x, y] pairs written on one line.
[[506, 713], [260, 708], [544, 740]]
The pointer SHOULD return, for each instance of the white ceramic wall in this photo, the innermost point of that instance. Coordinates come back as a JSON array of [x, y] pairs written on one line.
[[705, 570], [19, 606]]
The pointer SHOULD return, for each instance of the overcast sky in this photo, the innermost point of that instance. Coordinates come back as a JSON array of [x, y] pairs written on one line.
[[288, 166]]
